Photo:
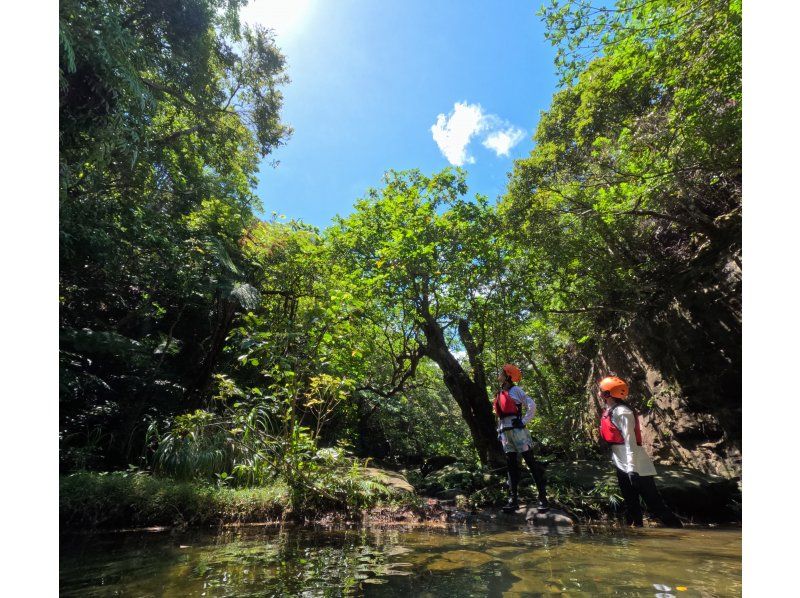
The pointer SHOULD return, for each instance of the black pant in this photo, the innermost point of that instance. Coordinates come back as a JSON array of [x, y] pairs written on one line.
[[648, 491], [537, 470]]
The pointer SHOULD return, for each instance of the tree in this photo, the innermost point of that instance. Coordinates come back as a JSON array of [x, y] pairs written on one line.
[[428, 261], [637, 164]]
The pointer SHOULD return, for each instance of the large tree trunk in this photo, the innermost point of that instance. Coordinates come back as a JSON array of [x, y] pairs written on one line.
[[469, 394], [223, 321]]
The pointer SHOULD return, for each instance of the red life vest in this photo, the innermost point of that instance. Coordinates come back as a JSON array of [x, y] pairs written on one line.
[[611, 433], [504, 405]]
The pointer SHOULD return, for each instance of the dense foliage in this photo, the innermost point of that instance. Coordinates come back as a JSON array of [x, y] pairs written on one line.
[[165, 109], [630, 203], [207, 344]]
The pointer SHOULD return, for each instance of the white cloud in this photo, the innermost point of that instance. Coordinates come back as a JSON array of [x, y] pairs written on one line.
[[502, 141], [453, 133]]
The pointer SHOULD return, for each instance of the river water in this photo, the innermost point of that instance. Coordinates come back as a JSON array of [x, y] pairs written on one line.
[[390, 561]]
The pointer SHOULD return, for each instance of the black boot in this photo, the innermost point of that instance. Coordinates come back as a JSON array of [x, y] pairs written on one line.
[[671, 520], [537, 472], [513, 482], [544, 504], [512, 504]]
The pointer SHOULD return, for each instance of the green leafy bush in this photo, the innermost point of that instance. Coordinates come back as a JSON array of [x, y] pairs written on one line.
[[259, 443]]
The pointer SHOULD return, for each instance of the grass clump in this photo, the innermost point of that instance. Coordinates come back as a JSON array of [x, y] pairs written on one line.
[[137, 499], [122, 499]]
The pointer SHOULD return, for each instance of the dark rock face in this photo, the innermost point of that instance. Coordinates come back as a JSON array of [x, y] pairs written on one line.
[[701, 497], [683, 364]]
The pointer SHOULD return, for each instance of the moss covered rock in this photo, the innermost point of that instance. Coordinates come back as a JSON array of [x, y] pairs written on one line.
[[451, 480], [394, 480]]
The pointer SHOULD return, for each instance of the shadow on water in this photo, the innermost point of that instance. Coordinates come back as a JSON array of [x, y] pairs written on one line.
[[375, 561]]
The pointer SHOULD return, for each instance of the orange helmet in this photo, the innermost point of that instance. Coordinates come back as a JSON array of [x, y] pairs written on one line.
[[616, 387], [512, 372]]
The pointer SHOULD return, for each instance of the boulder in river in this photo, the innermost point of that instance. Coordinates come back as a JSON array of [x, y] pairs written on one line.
[[532, 515], [548, 517]]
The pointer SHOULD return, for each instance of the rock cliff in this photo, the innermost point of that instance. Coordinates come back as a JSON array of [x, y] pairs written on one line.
[[683, 362]]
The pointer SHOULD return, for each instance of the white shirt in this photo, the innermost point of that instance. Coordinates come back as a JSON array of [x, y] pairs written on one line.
[[629, 456], [519, 397]]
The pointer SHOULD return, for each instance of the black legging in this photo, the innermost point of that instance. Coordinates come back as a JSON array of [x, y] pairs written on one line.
[[648, 491], [536, 468]]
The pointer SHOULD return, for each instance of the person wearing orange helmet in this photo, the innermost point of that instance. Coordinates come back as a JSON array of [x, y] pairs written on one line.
[[619, 428], [515, 437]]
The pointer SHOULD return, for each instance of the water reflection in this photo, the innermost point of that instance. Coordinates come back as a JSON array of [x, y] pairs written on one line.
[[464, 561]]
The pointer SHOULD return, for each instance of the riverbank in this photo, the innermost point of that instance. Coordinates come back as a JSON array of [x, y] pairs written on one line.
[[583, 491], [123, 501], [119, 500]]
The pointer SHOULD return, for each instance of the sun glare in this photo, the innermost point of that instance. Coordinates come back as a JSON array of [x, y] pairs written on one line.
[[284, 16]]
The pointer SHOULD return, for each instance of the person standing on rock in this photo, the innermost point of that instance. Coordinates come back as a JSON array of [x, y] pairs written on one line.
[[619, 427], [514, 436]]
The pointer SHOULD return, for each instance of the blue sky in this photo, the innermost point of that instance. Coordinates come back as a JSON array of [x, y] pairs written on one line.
[[370, 79]]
